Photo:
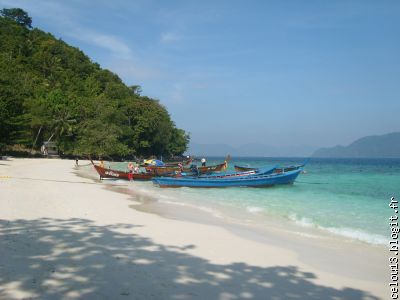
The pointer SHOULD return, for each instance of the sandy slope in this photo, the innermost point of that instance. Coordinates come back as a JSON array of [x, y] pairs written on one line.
[[67, 237]]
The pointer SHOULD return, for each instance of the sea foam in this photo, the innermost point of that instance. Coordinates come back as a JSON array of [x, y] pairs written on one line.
[[360, 235], [355, 234], [305, 222], [254, 209]]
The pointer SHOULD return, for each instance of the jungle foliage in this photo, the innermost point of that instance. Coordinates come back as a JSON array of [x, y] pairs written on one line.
[[52, 91]]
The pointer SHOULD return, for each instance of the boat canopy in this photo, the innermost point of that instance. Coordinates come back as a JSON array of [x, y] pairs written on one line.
[[154, 162]]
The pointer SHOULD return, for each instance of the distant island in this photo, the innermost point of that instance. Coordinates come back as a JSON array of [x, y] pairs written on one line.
[[377, 146]]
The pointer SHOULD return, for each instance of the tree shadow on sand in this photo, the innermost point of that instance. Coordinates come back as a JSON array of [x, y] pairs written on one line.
[[75, 258]]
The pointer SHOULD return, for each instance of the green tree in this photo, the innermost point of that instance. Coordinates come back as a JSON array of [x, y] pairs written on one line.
[[100, 139], [18, 15], [136, 89], [178, 143], [101, 131]]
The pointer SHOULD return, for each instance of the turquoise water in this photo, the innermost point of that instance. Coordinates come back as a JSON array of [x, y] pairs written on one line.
[[347, 197]]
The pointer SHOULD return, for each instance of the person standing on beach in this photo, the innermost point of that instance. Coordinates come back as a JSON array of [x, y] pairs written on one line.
[[130, 169], [76, 161]]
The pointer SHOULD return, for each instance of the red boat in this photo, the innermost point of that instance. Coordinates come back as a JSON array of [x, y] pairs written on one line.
[[109, 173]]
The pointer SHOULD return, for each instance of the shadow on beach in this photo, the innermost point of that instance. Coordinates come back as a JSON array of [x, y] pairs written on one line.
[[75, 258]]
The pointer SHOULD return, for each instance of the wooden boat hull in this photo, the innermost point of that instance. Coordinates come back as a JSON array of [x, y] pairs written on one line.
[[240, 181], [261, 171], [108, 173], [277, 169], [172, 164], [243, 169], [163, 171], [210, 169]]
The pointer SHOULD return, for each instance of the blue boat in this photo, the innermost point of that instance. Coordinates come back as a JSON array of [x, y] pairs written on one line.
[[256, 180]]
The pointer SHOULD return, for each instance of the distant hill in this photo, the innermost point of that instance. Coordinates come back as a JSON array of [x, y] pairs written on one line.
[[378, 146], [256, 150]]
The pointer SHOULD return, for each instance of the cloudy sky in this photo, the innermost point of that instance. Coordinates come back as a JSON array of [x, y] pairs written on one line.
[[282, 73]]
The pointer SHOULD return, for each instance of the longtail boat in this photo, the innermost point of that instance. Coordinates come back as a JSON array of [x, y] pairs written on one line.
[[262, 180], [277, 169], [261, 171], [161, 171], [171, 170], [210, 169], [109, 173], [159, 163], [243, 169]]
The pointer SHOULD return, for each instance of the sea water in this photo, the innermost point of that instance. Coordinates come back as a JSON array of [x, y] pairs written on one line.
[[345, 197]]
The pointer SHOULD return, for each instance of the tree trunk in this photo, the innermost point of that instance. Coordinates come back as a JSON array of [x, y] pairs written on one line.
[[51, 137], [37, 136]]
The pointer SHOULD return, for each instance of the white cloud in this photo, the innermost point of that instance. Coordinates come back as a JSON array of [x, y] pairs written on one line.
[[114, 44]]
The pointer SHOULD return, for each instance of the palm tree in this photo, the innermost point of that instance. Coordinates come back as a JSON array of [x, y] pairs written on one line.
[[62, 123]]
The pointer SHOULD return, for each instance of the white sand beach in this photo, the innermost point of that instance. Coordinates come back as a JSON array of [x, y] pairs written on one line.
[[63, 236]]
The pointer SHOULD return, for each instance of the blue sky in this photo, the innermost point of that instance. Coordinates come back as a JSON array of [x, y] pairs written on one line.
[[281, 73]]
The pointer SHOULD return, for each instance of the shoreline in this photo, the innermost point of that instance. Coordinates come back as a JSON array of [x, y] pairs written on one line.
[[213, 201], [268, 233], [322, 269]]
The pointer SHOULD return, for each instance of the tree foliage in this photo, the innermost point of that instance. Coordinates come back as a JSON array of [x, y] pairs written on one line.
[[52, 91], [18, 15]]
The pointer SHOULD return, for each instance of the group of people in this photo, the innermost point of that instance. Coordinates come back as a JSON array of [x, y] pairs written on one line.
[[132, 170]]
